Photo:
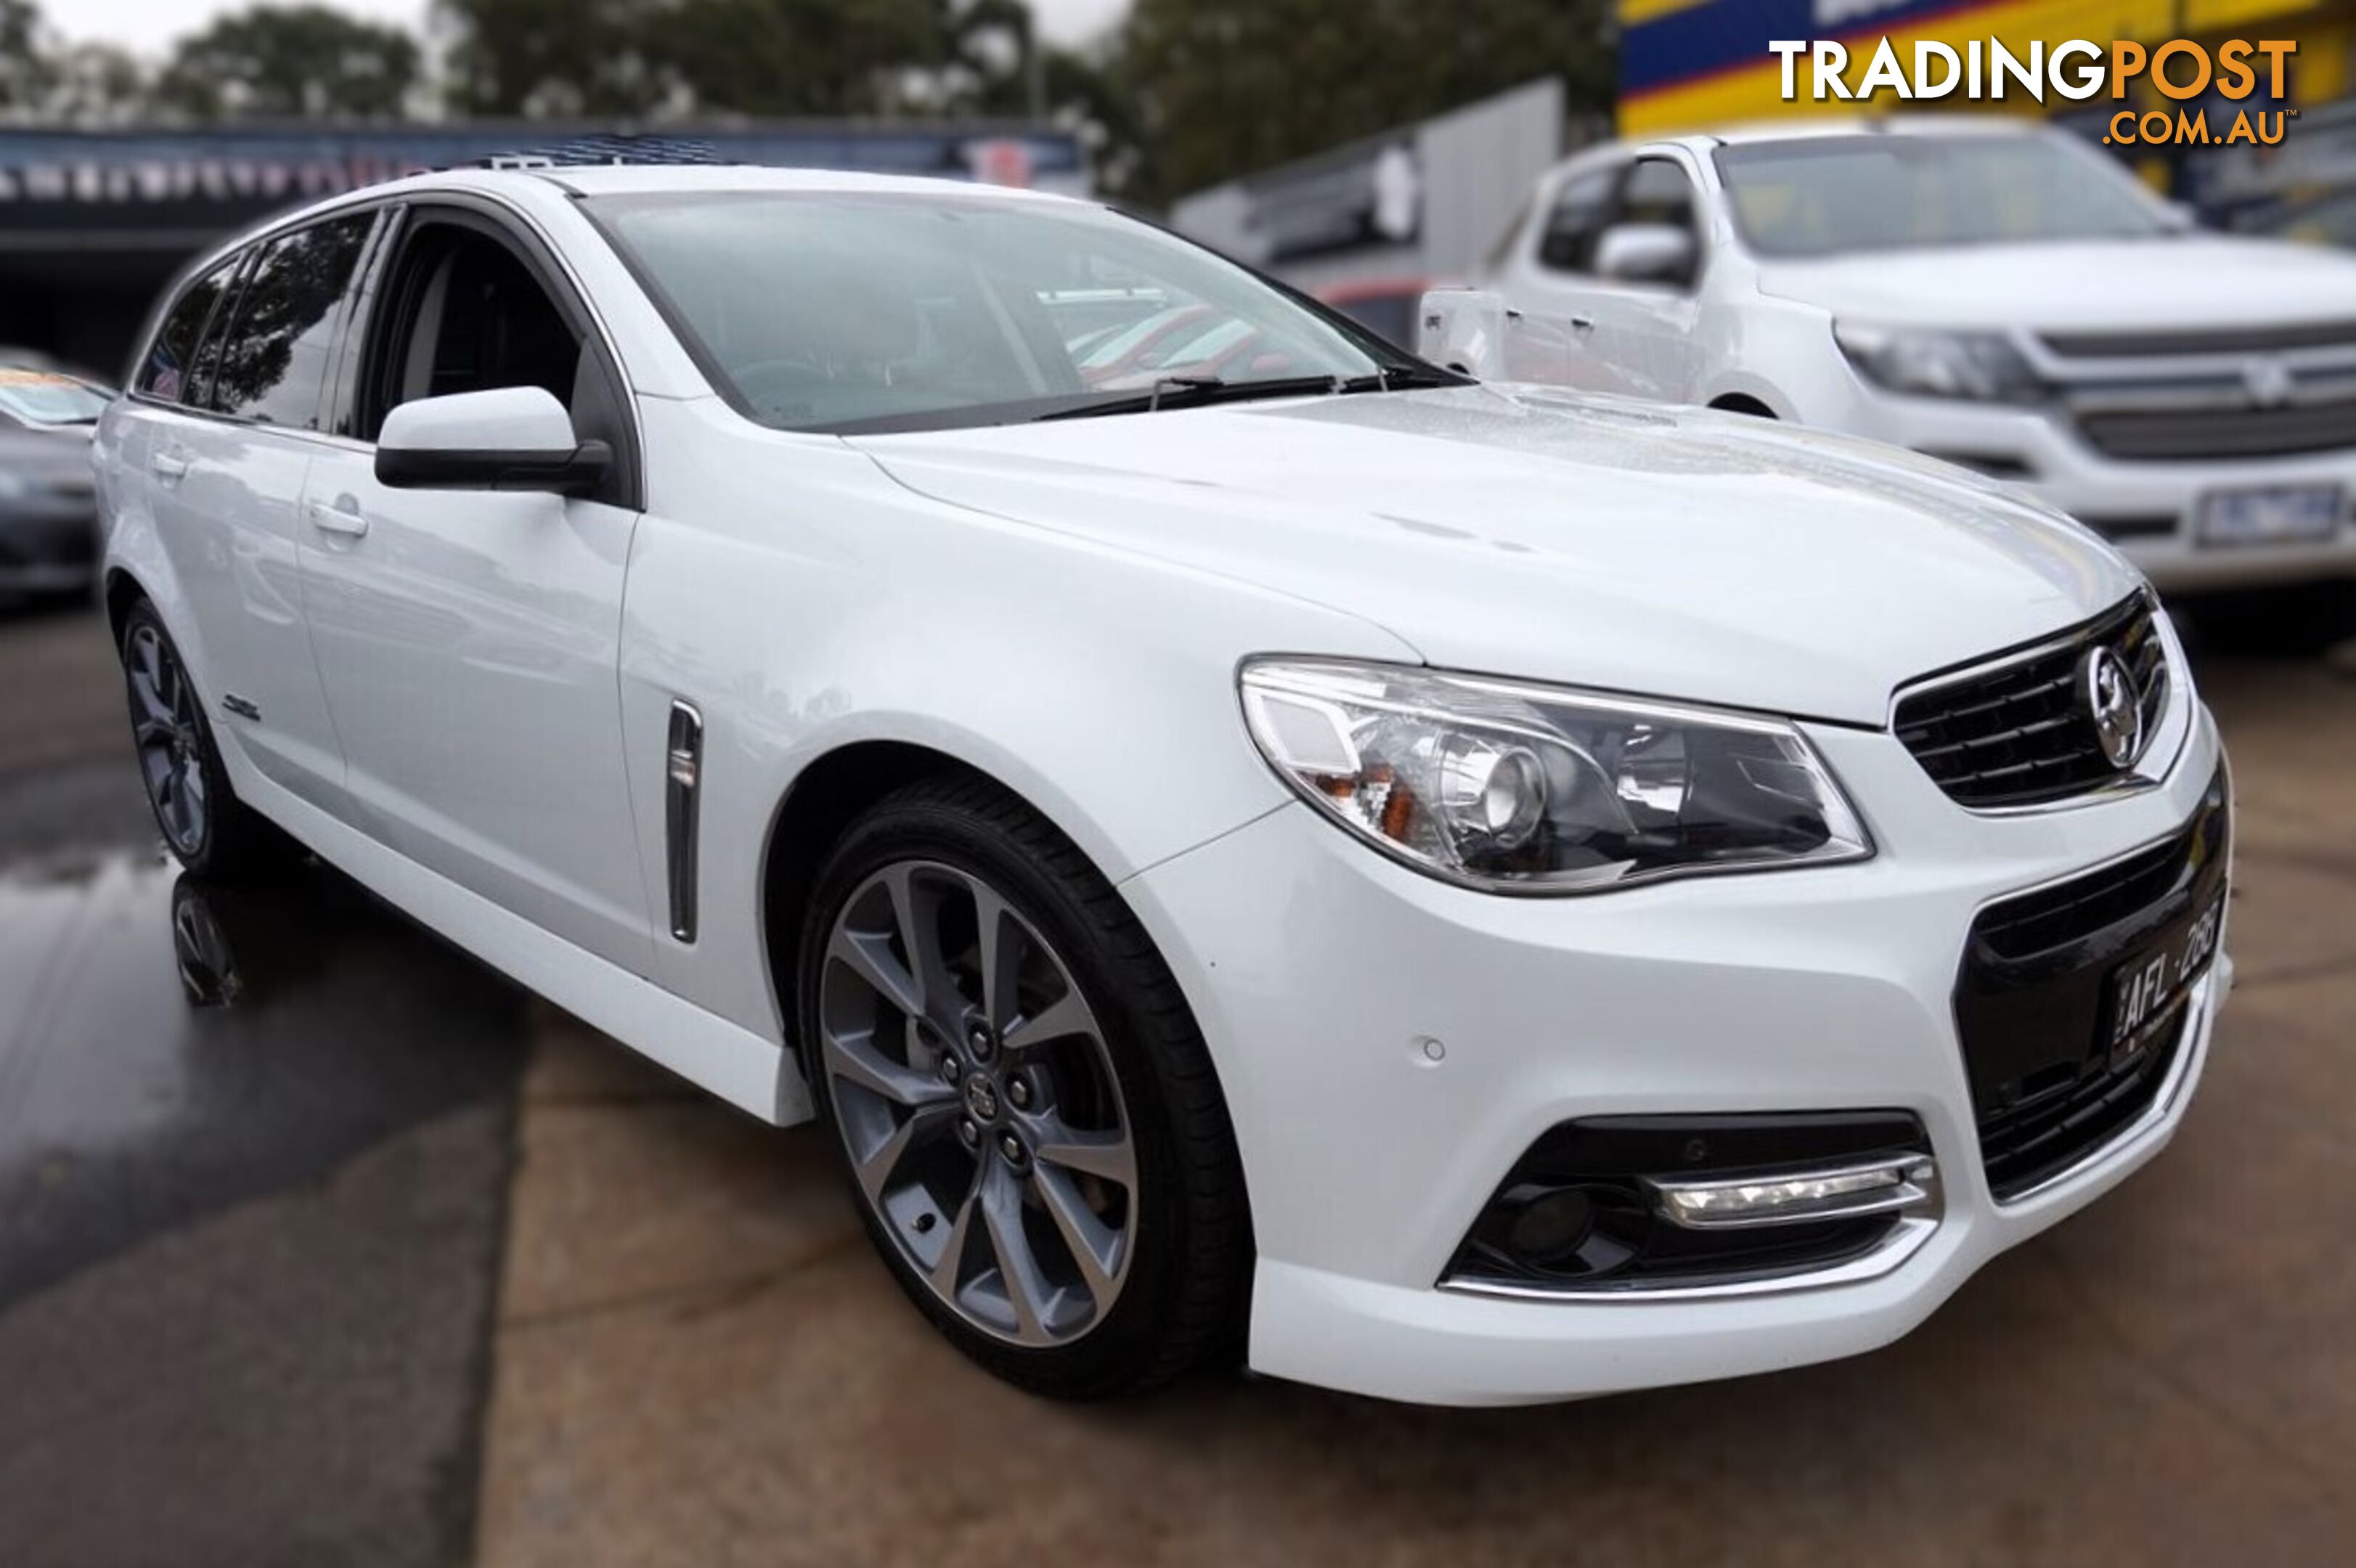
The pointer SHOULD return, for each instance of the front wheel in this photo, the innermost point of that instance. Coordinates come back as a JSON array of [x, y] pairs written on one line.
[[1034, 1136]]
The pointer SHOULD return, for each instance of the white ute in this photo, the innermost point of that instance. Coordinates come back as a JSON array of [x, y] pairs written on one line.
[[2003, 298], [1255, 845]]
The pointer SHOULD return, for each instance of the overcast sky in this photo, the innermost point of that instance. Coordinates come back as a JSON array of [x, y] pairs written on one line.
[[148, 26]]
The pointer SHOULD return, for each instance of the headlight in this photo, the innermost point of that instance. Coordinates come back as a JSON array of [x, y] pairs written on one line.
[[1525, 789], [1981, 365]]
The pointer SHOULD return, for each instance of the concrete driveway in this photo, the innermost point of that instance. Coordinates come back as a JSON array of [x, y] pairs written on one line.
[[392, 1297]]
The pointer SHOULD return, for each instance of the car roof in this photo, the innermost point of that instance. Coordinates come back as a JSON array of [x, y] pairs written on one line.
[[1872, 125], [546, 181], [638, 179], [1811, 128]]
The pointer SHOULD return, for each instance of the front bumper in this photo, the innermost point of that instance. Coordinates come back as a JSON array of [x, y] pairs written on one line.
[[48, 544], [2148, 508], [1389, 1046]]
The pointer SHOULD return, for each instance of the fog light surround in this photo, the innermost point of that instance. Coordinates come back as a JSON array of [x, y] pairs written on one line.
[[1695, 1205], [1788, 1198]]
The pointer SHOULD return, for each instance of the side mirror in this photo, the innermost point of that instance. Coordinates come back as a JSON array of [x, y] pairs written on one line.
[[1464, 330], [510, 438], [1646, 253], [2179, 217]]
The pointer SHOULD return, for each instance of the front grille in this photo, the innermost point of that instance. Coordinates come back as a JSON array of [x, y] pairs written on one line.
[[2021, 1148], [2184, 435], [2031, 992], [2050, 917], [2201, 340], [2117, 528], [48, 541], [2019, 733]]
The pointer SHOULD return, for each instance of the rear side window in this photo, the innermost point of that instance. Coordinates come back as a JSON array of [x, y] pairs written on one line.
[[1580, 209], [273, 360], [1658, 192], [171, 357]]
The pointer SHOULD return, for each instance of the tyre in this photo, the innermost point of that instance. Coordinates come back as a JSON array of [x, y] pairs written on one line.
[[1029, 1118], [204, 825], [2300, 620]]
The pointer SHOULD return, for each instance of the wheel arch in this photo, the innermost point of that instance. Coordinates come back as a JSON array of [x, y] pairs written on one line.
[[120, 591], [829, 792], [823, 799], [1743, 403]]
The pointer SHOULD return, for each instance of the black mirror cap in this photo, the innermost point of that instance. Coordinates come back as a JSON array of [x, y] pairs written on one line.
[[580, 472]]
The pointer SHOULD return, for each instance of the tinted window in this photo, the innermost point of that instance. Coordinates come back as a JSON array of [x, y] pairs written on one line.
[[1658, 192], [1579, 210], [1832, 194], [273, 361], [164, 372], [465, 315], [1391, 316]]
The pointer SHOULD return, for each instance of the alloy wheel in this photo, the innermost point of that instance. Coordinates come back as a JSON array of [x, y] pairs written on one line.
[[166, 726], [977, 1103]]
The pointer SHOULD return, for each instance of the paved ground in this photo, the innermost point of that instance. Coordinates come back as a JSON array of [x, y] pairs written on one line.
[[268, 1346], [248, 1255]]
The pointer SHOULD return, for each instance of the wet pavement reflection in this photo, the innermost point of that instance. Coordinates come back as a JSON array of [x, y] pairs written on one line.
[[170, 1046], [256, 1145]]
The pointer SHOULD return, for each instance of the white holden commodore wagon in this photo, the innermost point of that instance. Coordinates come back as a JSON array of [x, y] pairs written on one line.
[[1250, 843]]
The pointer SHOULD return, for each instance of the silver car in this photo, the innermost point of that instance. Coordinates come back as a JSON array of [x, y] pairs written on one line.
[[48, 507]]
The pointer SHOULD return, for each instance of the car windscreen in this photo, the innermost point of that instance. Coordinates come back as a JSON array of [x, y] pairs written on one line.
[[45, 397], [865, 311], [1832, 195]]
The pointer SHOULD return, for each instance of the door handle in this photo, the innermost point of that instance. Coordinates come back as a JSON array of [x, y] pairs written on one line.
[[1582, 324], [330, 519], [169, 465]]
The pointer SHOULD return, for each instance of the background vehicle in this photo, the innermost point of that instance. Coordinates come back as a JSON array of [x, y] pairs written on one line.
[[2319, 220], [2001, 298], [48, 508], [1385, 305]]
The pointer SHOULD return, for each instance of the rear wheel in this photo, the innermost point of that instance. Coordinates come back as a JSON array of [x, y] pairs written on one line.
[[1033, 1133], [204, 824], [2300, 620]]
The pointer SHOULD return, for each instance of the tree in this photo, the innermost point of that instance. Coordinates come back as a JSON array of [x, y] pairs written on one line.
[[783, 57], [670, 58], [303, 61], [95, 84], [560, 58], [1226, 87], [24, 59]]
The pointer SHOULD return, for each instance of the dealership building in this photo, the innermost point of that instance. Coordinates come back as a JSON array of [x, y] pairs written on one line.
[[93, 224]]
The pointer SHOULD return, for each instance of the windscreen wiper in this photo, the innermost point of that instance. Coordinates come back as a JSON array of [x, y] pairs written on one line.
[[1197, 392], [1402, 378]]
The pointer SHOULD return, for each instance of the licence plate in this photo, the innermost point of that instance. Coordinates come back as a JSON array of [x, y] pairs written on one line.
[[2142, 994], [2287, 514]]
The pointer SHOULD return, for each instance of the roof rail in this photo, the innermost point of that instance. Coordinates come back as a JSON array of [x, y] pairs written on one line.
[[616, 147]]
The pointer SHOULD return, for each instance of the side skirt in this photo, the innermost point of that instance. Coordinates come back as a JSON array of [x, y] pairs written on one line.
[[750, 1073]]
